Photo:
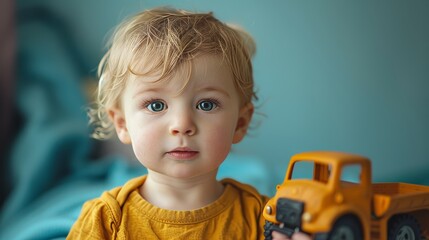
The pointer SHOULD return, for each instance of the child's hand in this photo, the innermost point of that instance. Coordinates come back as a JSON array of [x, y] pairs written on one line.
[[295, 236]]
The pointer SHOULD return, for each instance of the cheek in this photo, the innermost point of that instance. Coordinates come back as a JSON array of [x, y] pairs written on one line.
[[219, 139], [143, 140]]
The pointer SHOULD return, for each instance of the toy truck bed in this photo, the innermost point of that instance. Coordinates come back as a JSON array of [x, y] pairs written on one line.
[[393, 198]]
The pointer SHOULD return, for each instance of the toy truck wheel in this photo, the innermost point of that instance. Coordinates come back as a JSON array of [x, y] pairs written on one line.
[[347, 227], [268, 229], [405, 227]]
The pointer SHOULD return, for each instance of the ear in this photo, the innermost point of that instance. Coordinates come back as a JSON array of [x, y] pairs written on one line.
[[244, 118], [117, 116]]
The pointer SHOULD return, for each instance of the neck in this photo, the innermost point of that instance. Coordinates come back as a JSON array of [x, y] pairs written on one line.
[[181, 194]]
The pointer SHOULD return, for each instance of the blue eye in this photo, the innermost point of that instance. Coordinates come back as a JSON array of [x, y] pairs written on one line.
[[206, 105], [156, 106]]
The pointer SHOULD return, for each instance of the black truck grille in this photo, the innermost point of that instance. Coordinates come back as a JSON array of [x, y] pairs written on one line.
[[289, 212]]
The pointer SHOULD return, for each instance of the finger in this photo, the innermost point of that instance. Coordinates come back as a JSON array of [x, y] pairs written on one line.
[[279, 236], [300, 236]]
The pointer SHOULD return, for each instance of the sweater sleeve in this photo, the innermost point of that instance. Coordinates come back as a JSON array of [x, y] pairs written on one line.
[[98, 220]]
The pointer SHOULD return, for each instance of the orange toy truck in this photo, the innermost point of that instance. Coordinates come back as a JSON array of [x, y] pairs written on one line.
[[329, 195]]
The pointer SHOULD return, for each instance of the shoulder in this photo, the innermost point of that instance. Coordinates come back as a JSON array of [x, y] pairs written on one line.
[[121, 194], [246, 191], [245, 209], [114, 199], [100, 217], [97, 219]]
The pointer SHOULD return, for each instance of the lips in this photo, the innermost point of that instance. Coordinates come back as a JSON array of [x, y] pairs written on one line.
[[182, 153]]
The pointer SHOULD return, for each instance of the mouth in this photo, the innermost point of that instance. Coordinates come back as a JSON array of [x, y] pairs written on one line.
[[182, 153]]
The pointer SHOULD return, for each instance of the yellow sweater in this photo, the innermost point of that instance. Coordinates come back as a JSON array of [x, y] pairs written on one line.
[[122, 213]]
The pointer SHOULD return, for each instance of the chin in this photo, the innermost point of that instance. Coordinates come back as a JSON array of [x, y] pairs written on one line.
[[186, 174]]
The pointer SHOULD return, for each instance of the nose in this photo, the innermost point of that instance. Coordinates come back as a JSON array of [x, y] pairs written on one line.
[[183, 124]]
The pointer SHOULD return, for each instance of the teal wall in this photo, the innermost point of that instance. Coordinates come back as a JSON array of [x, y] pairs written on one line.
[[332, 75]]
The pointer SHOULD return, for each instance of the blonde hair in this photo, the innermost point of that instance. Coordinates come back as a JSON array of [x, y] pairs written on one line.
[[165, 38]]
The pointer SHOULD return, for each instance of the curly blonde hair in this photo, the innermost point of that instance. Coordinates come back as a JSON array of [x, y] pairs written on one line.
[[158, 41]]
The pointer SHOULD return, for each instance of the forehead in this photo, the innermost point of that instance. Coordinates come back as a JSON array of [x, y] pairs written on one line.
[[204, 70]]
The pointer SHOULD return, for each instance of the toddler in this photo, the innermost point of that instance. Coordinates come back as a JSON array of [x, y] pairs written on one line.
[[178, 87]]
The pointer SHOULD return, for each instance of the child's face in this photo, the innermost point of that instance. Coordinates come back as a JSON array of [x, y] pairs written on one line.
[[183, 134]]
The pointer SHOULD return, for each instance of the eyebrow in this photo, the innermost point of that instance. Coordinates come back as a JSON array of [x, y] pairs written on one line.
[[159, 89], [146, 90], [213, 89]]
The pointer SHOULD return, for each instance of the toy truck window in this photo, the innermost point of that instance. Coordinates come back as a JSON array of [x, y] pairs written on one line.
[[311, 171], [351, 175]]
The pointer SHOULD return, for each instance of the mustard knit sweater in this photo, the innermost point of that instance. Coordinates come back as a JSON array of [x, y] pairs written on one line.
[[122, 213]]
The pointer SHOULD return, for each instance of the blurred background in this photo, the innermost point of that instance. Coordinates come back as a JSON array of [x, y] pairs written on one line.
[[331, 75]]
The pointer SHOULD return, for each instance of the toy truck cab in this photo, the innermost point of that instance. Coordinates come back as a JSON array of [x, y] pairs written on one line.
[[324, 194]]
